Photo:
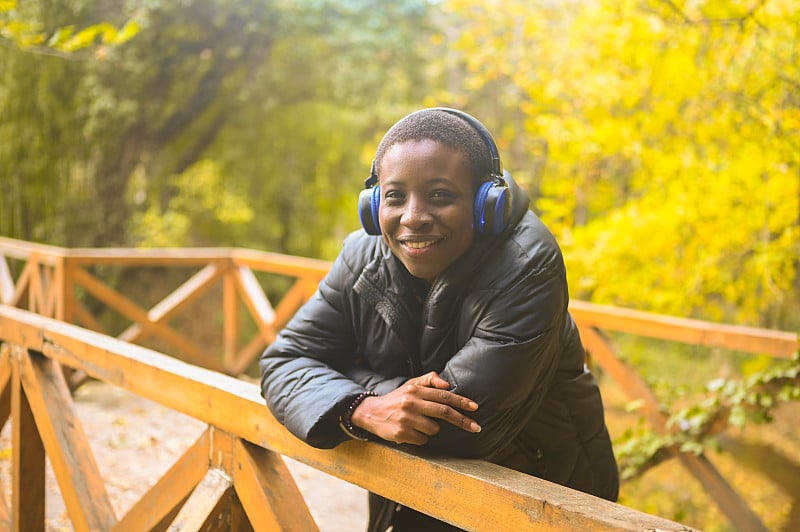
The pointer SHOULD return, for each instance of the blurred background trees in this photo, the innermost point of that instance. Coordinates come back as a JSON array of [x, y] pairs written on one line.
[[659, 139]]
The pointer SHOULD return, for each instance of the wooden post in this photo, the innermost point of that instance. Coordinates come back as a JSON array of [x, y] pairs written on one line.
[[28, 480]]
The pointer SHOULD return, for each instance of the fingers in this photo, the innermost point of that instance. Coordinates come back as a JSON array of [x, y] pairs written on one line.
[[452, 416], [444, 405], [430, 380], [413, 412], [448, 398]]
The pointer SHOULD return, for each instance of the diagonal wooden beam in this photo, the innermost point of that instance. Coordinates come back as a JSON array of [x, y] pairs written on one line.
[[172, 489], [267, 490], [66, 444], [292, 300], [635, 387], [22, 287], [28, 459], [210, 498], [256, 301], [134, 312], [732, 505], [177, 300]]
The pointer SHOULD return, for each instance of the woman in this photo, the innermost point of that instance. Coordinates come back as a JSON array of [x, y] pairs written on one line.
[[444, 323]]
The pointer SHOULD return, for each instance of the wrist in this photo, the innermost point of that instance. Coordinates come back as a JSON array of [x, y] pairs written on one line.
[[346, 418]]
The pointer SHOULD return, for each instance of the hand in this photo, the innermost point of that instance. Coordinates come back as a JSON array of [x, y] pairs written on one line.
[[408, 414]]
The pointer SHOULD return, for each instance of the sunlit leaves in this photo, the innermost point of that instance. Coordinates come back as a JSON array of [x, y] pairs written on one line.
[[28, 33], [672, 169]]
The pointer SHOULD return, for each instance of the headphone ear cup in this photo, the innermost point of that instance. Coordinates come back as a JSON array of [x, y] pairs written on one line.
[[369, 201], [492, 208]]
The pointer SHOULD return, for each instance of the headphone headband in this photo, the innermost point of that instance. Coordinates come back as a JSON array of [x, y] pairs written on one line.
[[497, 166]]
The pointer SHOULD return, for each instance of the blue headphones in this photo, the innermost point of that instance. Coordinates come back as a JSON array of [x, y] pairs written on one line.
[[492, 206]]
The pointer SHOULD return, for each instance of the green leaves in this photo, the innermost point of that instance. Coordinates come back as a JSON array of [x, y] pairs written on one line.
[[726, 402]]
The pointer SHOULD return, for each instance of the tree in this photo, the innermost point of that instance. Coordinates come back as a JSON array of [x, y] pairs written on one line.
[[672, 170]]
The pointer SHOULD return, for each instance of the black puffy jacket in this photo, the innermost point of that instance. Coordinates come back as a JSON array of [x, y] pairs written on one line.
[[495, 325]]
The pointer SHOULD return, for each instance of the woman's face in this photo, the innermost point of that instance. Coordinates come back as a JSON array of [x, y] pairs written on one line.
[[425, 212]]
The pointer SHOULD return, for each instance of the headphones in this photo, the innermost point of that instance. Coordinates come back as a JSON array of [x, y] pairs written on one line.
[[492, 206]]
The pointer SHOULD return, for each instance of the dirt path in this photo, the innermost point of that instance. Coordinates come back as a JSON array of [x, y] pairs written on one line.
[[135, 441]]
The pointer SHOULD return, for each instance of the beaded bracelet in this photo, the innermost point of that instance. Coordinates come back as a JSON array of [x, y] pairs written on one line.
[[345, 420]]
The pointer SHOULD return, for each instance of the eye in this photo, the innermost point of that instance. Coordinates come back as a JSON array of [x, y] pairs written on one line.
[[393, 197], [441, 196]]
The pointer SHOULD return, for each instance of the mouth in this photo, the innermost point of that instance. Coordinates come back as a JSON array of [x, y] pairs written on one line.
[[419, 244]]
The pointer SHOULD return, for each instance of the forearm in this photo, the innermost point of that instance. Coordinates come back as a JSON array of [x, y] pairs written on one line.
[[372, 381]]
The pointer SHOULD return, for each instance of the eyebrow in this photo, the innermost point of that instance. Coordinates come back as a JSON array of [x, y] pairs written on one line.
[[431, 181]]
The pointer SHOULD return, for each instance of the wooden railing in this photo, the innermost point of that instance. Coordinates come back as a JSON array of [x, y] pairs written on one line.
[[234, 473], [58, 282]]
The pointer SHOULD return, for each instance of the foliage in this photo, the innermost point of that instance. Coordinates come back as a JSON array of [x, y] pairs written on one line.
[[274, 94], [30, 35], [657, 139], [672, 173], [692, 428]]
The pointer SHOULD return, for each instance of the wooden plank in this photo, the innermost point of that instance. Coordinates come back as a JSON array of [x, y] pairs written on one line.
[[171, 490], [204, 504], [49, 292], [734, 337], [34, 284], [130, 310], [21, 249], [630, 381], [127, 257], [721, 492], [278, 263], [67, 446], [730, 502], [267, 490], [230, 313], [28, 459], [22, 288], [468, 488], [291, 301], [6, 282], [256, 301]]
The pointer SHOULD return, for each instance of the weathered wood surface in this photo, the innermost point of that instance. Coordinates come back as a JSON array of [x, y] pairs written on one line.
[[472, 494], [49, 278]]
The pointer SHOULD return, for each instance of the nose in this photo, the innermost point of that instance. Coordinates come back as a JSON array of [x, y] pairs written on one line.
[[415, 214]]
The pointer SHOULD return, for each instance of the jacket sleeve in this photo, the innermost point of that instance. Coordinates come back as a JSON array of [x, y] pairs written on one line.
[[302, 376], [509, 363]]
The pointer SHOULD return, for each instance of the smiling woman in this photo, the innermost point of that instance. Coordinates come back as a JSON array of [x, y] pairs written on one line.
[[444, 324], [426, 206]]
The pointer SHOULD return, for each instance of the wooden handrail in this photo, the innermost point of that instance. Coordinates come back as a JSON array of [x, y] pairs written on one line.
[[471, 494], [697, 332], [48, 282]]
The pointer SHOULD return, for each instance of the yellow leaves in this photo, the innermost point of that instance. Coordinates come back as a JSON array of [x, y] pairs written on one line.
[[28, 34]]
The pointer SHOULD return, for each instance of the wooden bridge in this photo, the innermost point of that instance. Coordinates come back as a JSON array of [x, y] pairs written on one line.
[[233, 477]]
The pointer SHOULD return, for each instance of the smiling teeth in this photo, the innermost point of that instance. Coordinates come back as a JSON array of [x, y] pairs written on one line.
[[420, 245]]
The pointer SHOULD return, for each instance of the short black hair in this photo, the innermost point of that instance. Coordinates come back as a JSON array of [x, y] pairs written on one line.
[[445, 128]]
